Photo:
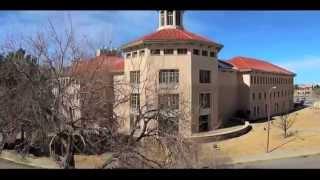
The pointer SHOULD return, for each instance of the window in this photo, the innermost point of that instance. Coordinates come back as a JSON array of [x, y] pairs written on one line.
[[265, 95], [254, 80], [155, 52], [212, 54], [135, 101], [169, 76], [203, 123], [253, 96], [178, 16], [251, 80], [135, 77], [259, 96], [128, 55], [278, 93], [254, 111], [170, 101], [204, 100], [204, 53], [134, 54], [133, 122], [168, 125], [258, 110], [274, 94], [170, 18], [162, 17], [141, 53], [182, 51], [196, 51], [204, 76], [266, 109], [168, 51]]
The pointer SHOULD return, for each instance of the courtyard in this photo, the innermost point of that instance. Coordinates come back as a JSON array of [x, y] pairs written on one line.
[[303, 140]]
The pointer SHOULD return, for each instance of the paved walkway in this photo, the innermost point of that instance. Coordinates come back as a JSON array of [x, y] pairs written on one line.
[[310, 162]]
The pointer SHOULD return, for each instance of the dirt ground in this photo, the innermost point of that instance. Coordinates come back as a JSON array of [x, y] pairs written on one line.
[[305, 136]]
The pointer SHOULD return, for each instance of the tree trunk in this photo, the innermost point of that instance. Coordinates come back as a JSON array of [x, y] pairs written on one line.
[[22, 133], [68, 160]]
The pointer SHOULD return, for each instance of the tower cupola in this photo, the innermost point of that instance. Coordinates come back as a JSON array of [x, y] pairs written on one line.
[[170, 19]]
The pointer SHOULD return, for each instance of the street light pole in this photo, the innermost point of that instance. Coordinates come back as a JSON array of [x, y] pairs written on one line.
[[269, 105]]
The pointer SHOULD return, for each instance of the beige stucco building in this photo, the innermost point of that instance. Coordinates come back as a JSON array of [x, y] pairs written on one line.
[[176, 63], [175, 68]]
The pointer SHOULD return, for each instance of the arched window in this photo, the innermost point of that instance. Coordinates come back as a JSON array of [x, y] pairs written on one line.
[[169, 17]]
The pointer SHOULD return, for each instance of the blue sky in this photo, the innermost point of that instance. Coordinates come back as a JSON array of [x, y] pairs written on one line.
[[287, 38]]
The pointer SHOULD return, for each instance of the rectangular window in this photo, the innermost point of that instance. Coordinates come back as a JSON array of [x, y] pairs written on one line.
[[168, 125], [169, 101], [135, 77], [212, 54], [259, 96], [182, 51], [204, 53], [204, 100], [141, 53], [168, 51], [162, 18], [135, 101], [133, 122], [203, 123], [196, 51], [169, 76], [204, 76], [155, 51], [128, 55], [253, 96], [134, 54]]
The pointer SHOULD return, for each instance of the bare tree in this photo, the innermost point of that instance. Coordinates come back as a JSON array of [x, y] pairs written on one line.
[[69, 107], [285, 123]]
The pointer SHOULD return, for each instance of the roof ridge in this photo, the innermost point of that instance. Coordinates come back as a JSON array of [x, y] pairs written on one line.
[[186, 32]]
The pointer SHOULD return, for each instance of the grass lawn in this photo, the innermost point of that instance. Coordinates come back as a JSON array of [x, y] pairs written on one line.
[[306, 137]]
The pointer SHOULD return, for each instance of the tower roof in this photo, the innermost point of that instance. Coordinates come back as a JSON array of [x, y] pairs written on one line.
[[176, 34], [249, 64]]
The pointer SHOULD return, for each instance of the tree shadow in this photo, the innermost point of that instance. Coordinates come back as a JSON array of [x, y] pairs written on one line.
[[282, 144]]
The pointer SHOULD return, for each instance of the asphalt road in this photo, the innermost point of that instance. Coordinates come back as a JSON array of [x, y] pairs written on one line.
[[310, 162], [4, 164]]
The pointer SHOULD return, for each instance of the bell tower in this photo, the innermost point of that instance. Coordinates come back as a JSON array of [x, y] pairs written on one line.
[[170, 19]]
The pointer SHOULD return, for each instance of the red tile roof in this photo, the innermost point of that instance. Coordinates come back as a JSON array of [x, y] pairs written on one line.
[[248, 64], [173, 35], [100, 63]]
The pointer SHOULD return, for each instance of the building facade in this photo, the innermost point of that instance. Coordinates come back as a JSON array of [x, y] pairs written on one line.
[[185, 66], [175, 68]]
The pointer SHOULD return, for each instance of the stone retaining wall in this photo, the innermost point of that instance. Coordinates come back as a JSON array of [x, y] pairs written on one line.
[[220, 134]]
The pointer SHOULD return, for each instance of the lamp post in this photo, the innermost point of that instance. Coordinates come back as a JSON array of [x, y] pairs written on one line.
[[269, 105]]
